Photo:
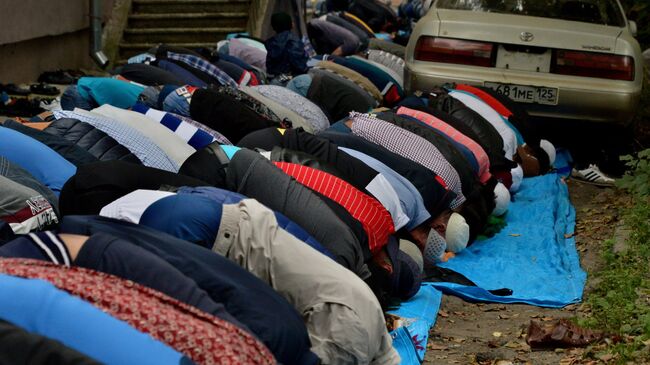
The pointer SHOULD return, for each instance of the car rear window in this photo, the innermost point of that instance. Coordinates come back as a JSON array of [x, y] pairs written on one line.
[[606, 12]]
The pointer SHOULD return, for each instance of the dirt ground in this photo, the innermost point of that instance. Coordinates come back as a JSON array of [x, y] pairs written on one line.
[[470, 333]]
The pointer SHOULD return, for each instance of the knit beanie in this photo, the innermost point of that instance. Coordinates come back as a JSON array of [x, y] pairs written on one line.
[[457, 234], [434, 249], [501, 198], [549, 149], [517, 178]]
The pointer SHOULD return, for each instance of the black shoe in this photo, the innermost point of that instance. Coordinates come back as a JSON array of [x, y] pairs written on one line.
[[57, 77], [44, 89], [21, 108], [13, 89]]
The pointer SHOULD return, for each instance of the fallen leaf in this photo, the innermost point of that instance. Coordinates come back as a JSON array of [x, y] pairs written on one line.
[[504, 362], [606, 357], [496, 334], [436, 347], [569, 235], [514, 234], [504, 316], [512, 345], [443, 314]]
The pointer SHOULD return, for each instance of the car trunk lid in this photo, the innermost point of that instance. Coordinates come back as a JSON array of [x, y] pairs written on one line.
[[527, 31]]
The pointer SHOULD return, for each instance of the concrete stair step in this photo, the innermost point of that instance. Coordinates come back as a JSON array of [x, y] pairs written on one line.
[[188, 20], [128, 50], [178, 35], [188, 6]]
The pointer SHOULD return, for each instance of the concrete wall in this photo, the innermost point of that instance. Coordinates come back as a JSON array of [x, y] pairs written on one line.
[[44, 35]]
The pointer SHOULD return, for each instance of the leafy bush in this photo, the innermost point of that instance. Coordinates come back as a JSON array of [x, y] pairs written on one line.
[[637, 179]]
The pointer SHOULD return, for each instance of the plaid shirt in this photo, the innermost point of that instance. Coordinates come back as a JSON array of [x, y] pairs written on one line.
[[408, 145], [435, 123], [205, 66], [140, 145]]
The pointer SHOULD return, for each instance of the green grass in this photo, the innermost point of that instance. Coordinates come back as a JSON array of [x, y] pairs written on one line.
[[620, 304]]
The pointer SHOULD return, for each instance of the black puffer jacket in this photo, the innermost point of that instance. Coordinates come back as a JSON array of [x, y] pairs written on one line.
[[91, 139]]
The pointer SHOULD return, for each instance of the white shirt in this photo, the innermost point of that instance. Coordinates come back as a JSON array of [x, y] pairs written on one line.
[[130, 207]]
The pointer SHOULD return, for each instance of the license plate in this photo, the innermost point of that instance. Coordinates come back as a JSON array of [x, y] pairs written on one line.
[[526, 94]]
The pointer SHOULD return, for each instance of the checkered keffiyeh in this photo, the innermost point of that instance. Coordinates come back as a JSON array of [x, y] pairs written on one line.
[[140, 145], [205, 66], [408, 145]]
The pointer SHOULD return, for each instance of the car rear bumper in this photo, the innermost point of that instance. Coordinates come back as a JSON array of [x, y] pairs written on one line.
[[580, 98]]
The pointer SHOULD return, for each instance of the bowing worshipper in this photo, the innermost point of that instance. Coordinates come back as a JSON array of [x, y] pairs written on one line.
[[142, 207], [471, 124], [379, 17], [120, 342], [226, 110], [409, 145], [102, 146], [284, 113], [329, 38], [180, 72], [480, 197], [196, 64], [105, 253], [337, 19], [442, 222], [254, 176], [176, 148], [68, 150], [337, 96], [148, 152], [194, 134], [21, 176], [297, 146], [201, 337], [351, 75], [535, 150], [91, 92], [384, 79], [18, 346], [343, 317], [285, 51], [387, 59], [24, 209], [148, 75], [95, 185], [362, 177], [299, 104], [249, 56], [47, 166], [272, 319], [501, 194]]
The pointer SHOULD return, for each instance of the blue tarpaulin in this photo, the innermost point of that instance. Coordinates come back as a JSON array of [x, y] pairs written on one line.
[[534, 256]]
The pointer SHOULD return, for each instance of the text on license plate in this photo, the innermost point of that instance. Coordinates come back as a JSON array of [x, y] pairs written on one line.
[[526, 94]]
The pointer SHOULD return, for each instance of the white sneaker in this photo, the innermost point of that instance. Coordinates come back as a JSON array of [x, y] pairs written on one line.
[[592, 175]]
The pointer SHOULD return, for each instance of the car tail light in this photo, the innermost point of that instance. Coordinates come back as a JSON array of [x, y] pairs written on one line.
[[457, 51], [590, 64]]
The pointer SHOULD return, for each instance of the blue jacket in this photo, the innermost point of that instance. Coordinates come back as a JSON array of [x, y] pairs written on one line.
[[37, 306], [285, 54], [222, 196], [42, 162]]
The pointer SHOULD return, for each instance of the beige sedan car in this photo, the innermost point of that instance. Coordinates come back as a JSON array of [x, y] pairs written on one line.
[[562, 59]]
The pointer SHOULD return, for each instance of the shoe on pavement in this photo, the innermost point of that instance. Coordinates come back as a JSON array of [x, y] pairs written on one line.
[[592, 175]]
